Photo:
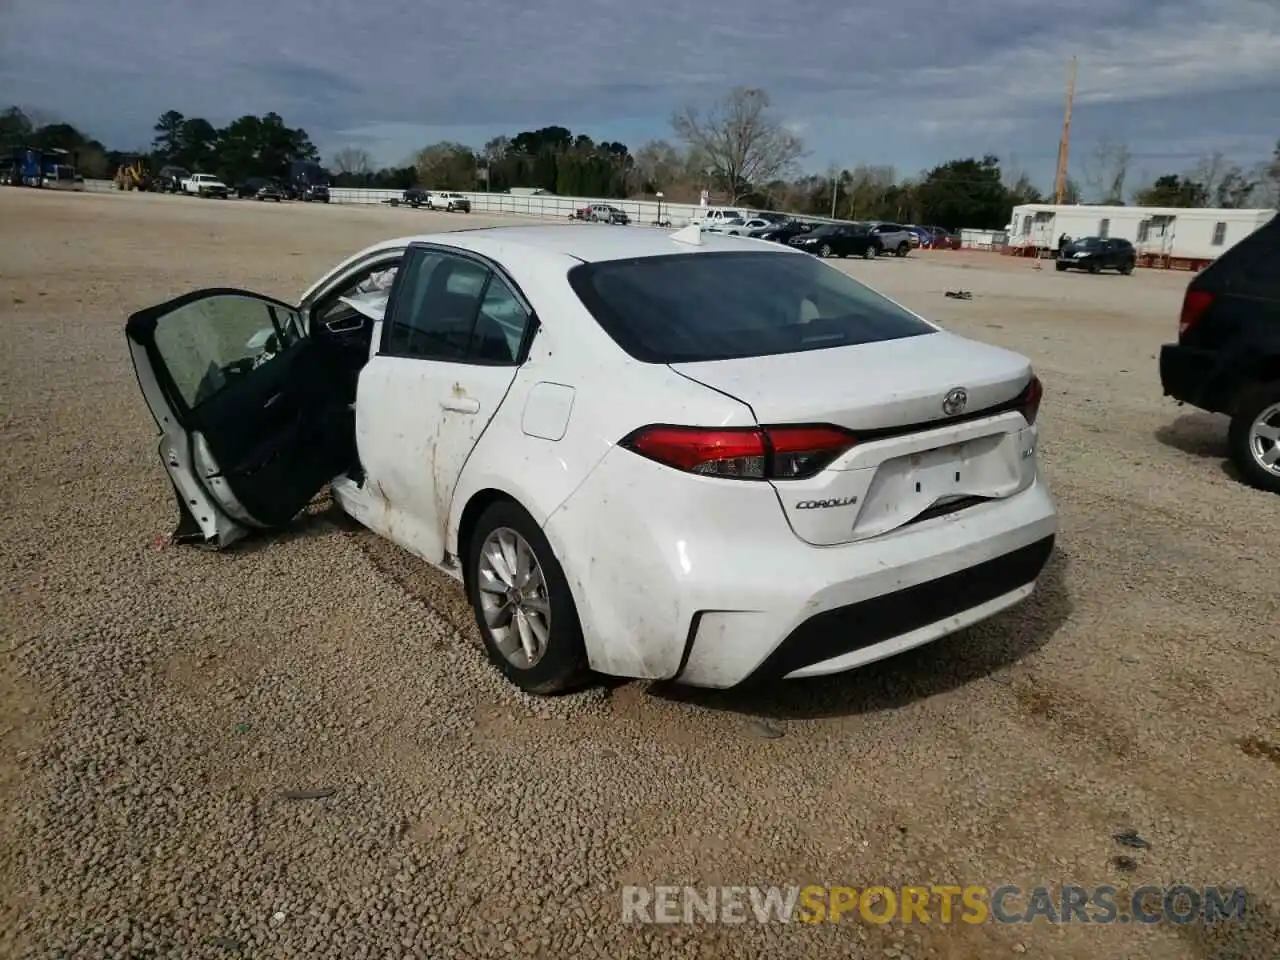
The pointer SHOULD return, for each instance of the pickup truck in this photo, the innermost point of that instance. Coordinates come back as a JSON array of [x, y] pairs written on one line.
[[205, 185]]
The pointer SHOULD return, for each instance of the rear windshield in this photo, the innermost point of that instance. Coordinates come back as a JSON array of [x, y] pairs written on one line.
[[694, 307]]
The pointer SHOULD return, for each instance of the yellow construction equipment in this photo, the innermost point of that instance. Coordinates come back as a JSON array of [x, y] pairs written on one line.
[[133, 174]]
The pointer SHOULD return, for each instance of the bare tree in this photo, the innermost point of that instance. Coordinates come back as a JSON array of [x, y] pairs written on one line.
[[1237, 187], [865, 189], [1106, 169], [659, 164], [1209, 172], [740, 142], [352, 160], [446, 166], [496, 149]]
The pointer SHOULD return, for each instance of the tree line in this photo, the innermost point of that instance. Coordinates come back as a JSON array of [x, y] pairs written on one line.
[[737, 150], [248, 146]]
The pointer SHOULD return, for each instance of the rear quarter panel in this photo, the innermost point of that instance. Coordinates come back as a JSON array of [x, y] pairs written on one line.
[[612, 395]]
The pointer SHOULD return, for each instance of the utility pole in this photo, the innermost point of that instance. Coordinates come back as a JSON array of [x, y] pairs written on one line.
[[835, 192], [1064, 145]]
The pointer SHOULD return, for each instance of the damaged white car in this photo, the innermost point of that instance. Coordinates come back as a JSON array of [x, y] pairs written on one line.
[[681, 456]]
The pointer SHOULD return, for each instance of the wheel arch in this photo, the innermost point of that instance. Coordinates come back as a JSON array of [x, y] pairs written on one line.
[[1263, 371], [475, 507]]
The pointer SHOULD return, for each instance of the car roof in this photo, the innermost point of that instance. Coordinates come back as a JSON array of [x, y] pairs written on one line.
[[588, 244]]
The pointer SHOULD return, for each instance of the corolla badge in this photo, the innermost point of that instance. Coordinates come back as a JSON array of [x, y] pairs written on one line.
[[954, 402]]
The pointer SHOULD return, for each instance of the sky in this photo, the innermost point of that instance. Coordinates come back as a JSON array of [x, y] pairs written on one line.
[[909, 83]]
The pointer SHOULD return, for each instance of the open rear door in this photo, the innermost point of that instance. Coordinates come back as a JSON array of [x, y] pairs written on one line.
[[251, 410]]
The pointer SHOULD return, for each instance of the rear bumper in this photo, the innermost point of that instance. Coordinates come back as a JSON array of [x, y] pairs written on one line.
[[1186, 374], [849, 636], [703, 581]]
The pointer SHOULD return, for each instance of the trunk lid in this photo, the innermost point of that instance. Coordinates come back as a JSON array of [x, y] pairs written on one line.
[[912, 453]]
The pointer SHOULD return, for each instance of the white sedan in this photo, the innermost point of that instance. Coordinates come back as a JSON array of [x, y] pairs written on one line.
[[648, 454], [740, 226]]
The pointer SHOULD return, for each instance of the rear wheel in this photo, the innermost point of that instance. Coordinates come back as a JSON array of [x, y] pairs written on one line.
[[825, 251], [523, 607], [902, 250], [1127, 267], [1254, 437], [870, 252], [1094, 268]]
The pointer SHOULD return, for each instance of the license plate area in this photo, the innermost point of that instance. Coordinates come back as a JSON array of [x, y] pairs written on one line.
[[903, 487]]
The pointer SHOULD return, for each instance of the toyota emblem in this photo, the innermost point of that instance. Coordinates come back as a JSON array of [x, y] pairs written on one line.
[[954, 402]]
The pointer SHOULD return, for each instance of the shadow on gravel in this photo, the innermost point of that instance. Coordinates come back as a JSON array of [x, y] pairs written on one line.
[[1257, 936], [1199, 434], [322, 518], [914, 675]]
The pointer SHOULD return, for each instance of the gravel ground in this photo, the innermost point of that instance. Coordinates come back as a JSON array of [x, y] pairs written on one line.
[[158, 702]]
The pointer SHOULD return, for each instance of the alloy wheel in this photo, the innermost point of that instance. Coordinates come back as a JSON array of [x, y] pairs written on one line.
[[514, 598]]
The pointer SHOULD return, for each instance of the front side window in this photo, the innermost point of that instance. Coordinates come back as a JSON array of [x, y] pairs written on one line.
[[449, 307]]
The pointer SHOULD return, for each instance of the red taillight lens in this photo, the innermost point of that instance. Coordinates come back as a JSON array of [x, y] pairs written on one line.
[[798, 452], [746, 453], [1194, 305], [1031, 398]]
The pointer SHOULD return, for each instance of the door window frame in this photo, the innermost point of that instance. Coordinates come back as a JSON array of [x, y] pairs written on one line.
[[395, 298]]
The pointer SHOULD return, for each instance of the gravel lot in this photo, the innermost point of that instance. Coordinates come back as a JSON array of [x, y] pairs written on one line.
[[157, 702]]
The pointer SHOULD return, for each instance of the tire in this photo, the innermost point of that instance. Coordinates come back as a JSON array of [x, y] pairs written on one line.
[[870, 253], [1258, 407], [562, 662], [1061, 267], [903, 250], [1127, 268], [824, 251], [1094, 268]]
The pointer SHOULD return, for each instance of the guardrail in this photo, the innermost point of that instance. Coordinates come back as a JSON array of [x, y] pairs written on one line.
[[542, 205], [531, 205], [537, 205]]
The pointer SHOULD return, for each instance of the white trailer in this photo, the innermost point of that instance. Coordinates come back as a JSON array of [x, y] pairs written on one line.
[[1180, 238]]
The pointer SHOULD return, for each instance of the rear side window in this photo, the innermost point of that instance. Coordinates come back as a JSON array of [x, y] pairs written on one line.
[[692, 307]]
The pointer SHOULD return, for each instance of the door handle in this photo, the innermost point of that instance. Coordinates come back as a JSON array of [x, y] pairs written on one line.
[[461, 404]]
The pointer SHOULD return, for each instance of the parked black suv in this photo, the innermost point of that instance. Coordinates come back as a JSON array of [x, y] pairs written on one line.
[[782, 231], [1227, 358], [1096, 254], [840, 240], [169, 179]]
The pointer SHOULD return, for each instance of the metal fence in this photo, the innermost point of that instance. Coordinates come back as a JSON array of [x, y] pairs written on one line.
[[531, 205]]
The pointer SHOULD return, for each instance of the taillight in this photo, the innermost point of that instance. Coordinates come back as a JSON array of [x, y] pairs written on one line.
[[1194, 305], [742, 453], [1030, 400]]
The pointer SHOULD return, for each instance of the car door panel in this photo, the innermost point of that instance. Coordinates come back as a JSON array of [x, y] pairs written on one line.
[[446, 362], [253, 426]]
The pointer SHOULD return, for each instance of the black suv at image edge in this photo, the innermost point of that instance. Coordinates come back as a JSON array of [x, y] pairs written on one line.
[[1227, 358]]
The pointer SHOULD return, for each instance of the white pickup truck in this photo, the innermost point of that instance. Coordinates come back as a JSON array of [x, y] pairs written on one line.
[[205, 185]]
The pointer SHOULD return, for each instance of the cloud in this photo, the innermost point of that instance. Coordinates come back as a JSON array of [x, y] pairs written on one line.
[[909, 82]]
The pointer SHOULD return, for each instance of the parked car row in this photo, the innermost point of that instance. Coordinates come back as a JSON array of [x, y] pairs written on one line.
[[826, 238], [308, 182], [446, 200]]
